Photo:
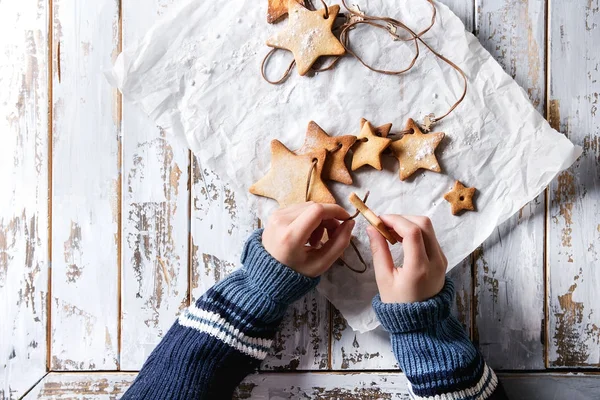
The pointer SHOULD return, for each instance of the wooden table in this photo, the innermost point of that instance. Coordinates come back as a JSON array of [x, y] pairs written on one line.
[[109, 227]]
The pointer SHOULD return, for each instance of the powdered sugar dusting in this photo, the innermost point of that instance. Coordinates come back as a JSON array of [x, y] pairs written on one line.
[[423, 152]]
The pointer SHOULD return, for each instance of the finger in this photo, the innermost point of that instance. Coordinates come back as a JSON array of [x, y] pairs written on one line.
[[316, 236], [335, 246], [382, 258], [312, 216], [432, 247], [412, 237], [331, 225]]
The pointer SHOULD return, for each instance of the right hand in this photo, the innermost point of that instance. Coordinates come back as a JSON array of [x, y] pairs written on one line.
[[293, 236], [423, 274]]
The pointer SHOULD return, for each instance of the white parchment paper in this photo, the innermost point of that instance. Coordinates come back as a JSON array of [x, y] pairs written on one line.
[[197, 74]]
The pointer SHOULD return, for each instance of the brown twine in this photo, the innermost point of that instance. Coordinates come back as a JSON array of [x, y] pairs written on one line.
[[390, 25], [308, 182]]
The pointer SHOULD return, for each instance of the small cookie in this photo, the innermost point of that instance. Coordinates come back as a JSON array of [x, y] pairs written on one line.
[[308, 35], [277, 9], [370, 216], [337, 148], [460, 197], [286, 179], [416, 150], [368, 148], [382, 131]]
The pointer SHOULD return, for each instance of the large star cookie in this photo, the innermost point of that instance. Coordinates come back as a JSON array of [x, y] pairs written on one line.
[[287, 177], [368, 148], [337, 148], [277, 9], [416, 150], [308, 35], [460, 198]]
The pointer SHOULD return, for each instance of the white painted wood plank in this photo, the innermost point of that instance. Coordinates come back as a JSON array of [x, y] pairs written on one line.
[[219, 231], [318, 386], [574, 209], [155, 216], [464, 9], [86, 187], [510, 264], [24, 195]]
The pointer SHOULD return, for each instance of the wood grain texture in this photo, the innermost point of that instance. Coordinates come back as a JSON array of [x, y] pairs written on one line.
[[574, 207], [86, 187], [464, 9], [23, 202], [317, 386], [155, 208], [509, 292], [352, 350]]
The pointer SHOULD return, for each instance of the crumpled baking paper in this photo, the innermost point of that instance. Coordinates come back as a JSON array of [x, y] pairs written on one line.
[[196, 73]]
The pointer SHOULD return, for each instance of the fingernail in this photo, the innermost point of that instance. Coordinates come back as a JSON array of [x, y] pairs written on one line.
[[369, 233]]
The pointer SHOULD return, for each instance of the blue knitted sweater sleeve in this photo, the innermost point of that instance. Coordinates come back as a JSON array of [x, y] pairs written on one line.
[[216, 342], [435, 352]]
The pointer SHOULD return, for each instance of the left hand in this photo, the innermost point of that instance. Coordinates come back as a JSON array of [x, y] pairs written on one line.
[[293, 234]]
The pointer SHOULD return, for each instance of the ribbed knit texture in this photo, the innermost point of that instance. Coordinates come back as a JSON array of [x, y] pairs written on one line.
[[434, 350], [226, 334]]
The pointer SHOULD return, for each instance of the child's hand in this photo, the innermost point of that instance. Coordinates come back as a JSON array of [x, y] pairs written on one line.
[[290, 229], [423, 274]]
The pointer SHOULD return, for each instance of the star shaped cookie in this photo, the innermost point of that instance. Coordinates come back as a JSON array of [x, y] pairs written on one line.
[[286, 179], [383, 130], [460, 198], [308, 35], [368, 148], [337, 147], [277, 9], [416, 150]]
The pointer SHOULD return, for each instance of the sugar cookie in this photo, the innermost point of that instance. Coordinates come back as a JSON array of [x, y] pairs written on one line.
[[460, 198], [337, 148], [308, 35], [286, 179], [368, 148], [416, 150]]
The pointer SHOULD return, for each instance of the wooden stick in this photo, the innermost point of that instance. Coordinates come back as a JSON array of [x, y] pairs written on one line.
[[371, 217]]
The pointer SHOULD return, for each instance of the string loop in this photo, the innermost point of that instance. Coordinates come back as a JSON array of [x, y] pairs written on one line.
[[356, 17]]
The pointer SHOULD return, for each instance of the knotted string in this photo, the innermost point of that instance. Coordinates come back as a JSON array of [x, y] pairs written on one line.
[[390, 25]]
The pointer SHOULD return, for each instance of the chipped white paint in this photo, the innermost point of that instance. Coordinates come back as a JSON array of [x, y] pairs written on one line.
[[574, 206], [23, 199], [85, 170], [155, 209], [510, 264], [327, 386]]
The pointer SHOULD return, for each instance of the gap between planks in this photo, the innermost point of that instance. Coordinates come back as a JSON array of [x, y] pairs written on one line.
[[119, 106], [545, 262], [49, 203]]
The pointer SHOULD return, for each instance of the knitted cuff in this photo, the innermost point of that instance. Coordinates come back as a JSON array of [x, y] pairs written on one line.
[[281, 283], [409, 317]]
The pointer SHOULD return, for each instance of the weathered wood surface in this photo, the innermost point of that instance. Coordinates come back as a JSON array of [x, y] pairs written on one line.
[[574, 209], [24, 198], [318, 386], [85, 187], [509, 284], [155, 209]]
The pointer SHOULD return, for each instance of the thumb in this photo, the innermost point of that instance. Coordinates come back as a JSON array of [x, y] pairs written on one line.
[[382, 258]]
